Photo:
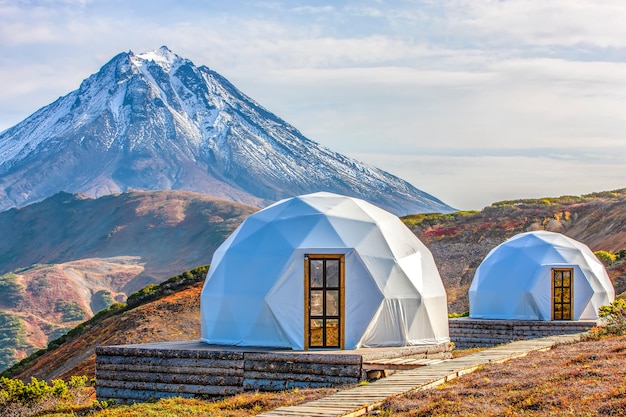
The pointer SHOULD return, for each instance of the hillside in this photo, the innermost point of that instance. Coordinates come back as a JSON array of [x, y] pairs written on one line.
[[68, 257], [173, 315], [460, 241]]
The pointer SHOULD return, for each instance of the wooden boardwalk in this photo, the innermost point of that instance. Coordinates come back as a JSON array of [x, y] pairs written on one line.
[[365, 398]]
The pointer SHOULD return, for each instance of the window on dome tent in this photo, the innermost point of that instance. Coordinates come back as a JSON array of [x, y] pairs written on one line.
[[324, 301], [562, 300]]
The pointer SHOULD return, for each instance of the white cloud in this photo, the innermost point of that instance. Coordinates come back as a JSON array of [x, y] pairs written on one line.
[[569, 23], [480, 89], [473, 182]]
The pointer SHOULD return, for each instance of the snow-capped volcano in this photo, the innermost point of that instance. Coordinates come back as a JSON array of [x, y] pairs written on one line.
[[155, 121]]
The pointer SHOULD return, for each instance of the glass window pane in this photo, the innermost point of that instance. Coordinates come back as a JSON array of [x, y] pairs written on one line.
[[317, 303], [332, 273], [558, 295], [566, 274], [316, 328], [332, 332], [566, 296], [317, 273], [566, 312], [558, 279], [566, 281], [332, 303]]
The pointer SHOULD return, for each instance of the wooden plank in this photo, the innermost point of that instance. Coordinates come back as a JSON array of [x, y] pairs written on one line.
[[255, 384], [332, 380], [424, 377], [191, 379], [304, 357], [136, 351], [170, 361], [196, 370], [330, 369], [175, 388]]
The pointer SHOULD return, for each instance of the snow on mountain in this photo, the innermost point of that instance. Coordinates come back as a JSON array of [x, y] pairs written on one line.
[[156, 121]]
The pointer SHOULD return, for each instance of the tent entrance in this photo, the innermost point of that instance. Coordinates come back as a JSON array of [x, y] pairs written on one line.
[[324, 301], [562, 300]]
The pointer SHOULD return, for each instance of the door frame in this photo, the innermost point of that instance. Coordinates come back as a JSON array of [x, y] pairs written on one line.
[[342, 297], [571, 293]]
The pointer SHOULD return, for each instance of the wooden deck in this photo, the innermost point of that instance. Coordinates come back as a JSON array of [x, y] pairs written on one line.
[[365, 398]]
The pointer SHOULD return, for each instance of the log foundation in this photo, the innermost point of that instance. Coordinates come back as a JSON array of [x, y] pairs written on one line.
[[466, 332], [131, 373]]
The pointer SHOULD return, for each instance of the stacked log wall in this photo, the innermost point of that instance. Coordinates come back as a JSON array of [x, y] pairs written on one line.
[[135, 373], [145, 374], [468, 333]]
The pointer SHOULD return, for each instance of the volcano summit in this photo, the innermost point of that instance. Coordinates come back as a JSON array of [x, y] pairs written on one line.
[[155, 121]]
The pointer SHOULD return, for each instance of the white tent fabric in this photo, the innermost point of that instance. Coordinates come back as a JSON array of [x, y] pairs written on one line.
[[254, 291], [514, 281]]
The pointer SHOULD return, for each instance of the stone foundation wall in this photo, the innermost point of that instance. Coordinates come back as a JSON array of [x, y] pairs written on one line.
[[135, 373], [467, 332]]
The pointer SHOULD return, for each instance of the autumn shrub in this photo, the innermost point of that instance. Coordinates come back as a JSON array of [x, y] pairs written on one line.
[[13, 335], [69, 311], [39, 397], [11, 291], [614, 318], [607, 258]]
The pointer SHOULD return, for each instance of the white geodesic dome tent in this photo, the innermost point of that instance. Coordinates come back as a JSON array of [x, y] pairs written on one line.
[[259, 292], [540, 275]]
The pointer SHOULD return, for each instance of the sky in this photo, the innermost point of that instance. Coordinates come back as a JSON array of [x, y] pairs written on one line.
[[472, 101]]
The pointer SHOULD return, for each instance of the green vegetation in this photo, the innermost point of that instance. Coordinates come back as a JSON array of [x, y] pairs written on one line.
[[614, 317], [607, 258], [12, 336], [436, 218], [153, 292], [69, 311], [11, 292], [456, 315], [563, 200], [72, 398], [177, 283], [40, 398]]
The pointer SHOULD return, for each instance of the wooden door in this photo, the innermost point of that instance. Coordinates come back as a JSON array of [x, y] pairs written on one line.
[[562, 293], [324, 301]]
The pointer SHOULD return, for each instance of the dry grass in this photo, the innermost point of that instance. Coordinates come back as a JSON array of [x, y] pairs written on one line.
[[242, 405], [580, 379]]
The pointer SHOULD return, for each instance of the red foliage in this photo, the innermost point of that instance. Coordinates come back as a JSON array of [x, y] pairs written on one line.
[[439, 232]]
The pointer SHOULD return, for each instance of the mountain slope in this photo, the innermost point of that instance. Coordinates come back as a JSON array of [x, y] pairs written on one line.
[[67, 257], [173, 317], [167, 230], [155, 121], [460, 241]]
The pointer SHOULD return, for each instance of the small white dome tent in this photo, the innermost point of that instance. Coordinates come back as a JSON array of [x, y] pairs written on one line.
[[540, 275], [323, 271]]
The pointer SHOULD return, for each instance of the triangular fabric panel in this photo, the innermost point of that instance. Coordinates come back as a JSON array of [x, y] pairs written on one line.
[[254, 293], [515, 280]]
